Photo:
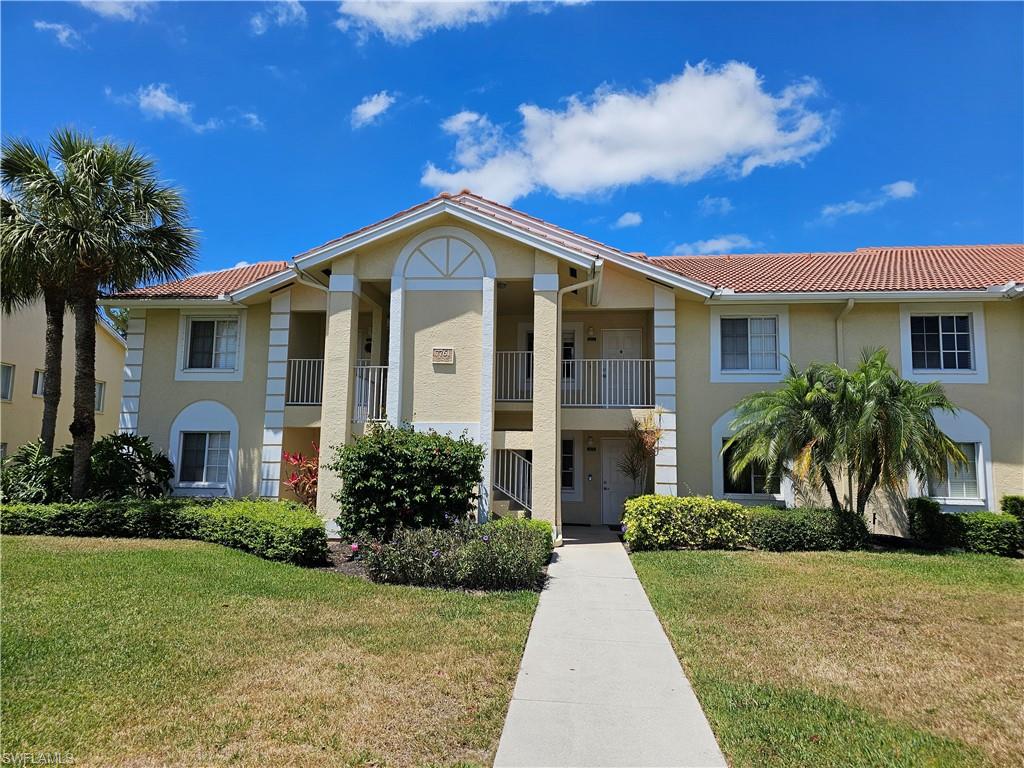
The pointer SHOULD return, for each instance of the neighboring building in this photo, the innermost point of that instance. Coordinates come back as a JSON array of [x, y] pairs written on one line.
[[463, 315], [22, 358]]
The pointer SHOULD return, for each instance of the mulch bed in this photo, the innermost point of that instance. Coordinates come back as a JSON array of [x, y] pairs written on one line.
[[340, 559]]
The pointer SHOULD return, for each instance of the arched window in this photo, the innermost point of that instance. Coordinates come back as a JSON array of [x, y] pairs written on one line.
[[750, 487], [204, 449], [967, 487]]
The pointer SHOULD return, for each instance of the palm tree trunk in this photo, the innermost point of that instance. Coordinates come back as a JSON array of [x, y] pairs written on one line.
[[826, 477], [83, 428], [56, 306]]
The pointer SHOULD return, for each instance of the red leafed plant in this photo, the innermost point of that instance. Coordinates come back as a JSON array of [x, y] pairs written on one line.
[[304, 473]]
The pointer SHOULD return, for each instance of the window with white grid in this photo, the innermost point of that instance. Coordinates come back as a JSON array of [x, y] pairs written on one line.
[[750, 343], [961, 481], [204, 457], [213, 344]]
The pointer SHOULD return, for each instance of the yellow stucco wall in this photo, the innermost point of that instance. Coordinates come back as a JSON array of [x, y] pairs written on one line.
[[23, 344], [163, 398], [433, 392]]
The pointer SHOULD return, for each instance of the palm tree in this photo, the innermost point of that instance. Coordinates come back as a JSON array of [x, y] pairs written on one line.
[[31, 268], [825, 423], [110, 224]]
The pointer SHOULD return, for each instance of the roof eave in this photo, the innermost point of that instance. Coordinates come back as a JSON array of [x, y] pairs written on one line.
[[796, 297]]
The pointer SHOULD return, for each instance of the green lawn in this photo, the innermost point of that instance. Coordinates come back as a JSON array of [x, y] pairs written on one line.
[[849, 659], [129, 652]]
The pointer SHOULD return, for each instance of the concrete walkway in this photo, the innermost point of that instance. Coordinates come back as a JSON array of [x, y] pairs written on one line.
[[599, 684]]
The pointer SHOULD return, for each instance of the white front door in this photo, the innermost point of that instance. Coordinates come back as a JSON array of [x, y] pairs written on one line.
[[615, 486], [621, 349]]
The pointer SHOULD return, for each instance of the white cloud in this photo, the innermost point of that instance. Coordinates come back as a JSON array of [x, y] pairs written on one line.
[[705, 120], [252, 120], [406, 22], [371, 108], [119, 10], [66, 35], [898, 190], [280, 14], [717, 244], [157, 102], [714, 206], [628, 219]]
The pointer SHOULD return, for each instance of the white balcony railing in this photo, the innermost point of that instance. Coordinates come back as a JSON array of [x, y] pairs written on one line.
[[513, 476], [614, 383], [371, 395], [513, 376], [305, 381]]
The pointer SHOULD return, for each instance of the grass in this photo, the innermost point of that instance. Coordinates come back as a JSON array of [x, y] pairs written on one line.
[[145, 653], [841, 659]]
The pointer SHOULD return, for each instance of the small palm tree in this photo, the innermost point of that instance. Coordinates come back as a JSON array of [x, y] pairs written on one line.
[[106, 222], [826, 424]]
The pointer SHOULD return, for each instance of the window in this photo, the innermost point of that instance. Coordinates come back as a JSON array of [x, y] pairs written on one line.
[[38, 377], [568, 353], [751, 482], [204, 457], [6, 381], [961, 482], [213, 344], [101, 395], [750, 344], [568, 465], [941, 342]]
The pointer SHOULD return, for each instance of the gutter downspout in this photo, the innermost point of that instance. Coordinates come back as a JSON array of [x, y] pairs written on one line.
[[840, 336], [594, 283]]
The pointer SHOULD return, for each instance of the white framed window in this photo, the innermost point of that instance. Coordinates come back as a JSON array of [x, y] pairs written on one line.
[[749, 343], [570, 466], [37, 382], [204, 458], [569, 353], [101, 396], [965, 487], [943, 342], [750, 486], [211, 346], [961, 480], [751, 482], [6, 381]]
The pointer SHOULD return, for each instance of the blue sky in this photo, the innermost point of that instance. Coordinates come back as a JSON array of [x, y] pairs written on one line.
[[654, 127]]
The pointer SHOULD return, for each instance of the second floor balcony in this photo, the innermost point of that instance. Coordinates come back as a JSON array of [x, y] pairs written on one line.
[[594, 383]]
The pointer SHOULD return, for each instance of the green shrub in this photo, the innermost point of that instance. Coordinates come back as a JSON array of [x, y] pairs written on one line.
[[927, 523], [398, 478], [1013, 505], [805, 529], [121, 467], [504, 554], [989, 533], [274, 530], [688, 522]]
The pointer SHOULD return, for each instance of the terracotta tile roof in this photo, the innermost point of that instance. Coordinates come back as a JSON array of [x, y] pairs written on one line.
[[208, 285], [912, 268]]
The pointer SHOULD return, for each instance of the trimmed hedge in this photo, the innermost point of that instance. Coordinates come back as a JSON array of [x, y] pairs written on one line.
[[1013, 505], [990, 533], [805, 529], [502, 554], [686, 522], [273, 530]]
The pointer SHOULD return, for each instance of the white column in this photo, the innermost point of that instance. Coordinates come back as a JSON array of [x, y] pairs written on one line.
[[273, 415], [666, 462], [395, 350], [486, 395], [131, 392]]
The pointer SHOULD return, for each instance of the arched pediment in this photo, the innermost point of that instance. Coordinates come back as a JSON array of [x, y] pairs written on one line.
[[445, 253]]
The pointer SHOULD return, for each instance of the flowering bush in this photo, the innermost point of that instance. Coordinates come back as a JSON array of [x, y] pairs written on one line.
[[305, 471], [503, 554]]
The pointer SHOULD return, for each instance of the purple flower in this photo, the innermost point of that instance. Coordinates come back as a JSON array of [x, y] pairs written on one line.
[[486, 537], [624, 527], [436, 553]]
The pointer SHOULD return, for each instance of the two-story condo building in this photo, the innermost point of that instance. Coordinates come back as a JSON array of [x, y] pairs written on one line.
[[466, 316]]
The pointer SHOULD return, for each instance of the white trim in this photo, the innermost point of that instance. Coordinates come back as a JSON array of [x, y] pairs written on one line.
[[818, 297], [963, 427], [395, 322], [666, 461], [267, 283], [781, 313], [979, 355], [720, 432], [545, 282], [131, 381], [444, 284], [204, 416], [486, 394], [185, 318], [576, 494], [273, 415]]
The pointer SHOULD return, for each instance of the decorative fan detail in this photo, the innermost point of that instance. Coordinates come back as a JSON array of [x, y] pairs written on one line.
[[445, 257]]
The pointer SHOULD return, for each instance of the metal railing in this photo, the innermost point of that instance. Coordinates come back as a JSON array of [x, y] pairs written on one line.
[[513, 376], [611, 383], [371, 395], [513, 476], [305, 381]]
